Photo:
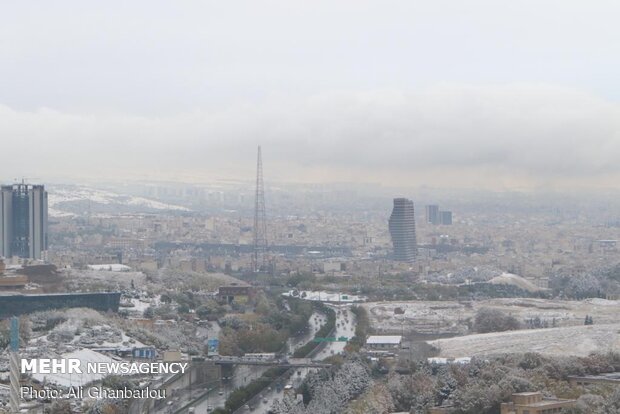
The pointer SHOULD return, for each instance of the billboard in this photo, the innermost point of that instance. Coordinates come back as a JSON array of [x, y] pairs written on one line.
[[213, 346]]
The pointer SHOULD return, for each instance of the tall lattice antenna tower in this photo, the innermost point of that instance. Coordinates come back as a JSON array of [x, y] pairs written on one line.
[[259, 255]]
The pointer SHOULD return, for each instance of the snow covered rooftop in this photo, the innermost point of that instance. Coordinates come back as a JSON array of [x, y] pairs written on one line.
[[114, 267], [71, 380], [324, 296], [384, 340], [443, 361]]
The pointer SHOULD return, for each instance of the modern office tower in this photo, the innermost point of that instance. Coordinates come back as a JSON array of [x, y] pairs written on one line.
[[435, 216], [432, 214], [445, 217], [23, 221], [402, 230]]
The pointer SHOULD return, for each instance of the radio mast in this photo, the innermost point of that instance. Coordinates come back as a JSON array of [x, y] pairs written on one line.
[[259, 255]]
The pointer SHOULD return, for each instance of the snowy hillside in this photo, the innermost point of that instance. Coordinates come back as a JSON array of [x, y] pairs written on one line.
[[71, 201]]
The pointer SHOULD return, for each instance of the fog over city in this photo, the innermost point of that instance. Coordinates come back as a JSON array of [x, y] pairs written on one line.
[[310, 207], [486, 94]]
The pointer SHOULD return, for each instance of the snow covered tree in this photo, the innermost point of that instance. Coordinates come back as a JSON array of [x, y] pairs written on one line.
[[288, 405]]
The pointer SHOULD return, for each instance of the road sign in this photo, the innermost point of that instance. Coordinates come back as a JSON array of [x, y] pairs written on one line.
[[332, 339]]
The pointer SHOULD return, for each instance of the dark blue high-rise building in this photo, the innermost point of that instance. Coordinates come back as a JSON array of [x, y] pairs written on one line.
[[23, 221]]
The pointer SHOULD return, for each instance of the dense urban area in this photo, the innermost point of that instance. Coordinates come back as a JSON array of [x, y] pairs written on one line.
[[329, 300], [310, 207]]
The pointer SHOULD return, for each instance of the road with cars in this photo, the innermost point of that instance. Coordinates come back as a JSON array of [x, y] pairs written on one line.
[[243, 374], [345, 327]]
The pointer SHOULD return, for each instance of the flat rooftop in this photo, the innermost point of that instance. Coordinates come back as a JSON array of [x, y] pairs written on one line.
[[51, 294], [384, 339]]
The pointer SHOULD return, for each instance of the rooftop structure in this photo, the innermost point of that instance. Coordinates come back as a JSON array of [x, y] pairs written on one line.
[[534, 403], [522, 403], [15, 304], [611, 378], [384, 341], [236, 293]]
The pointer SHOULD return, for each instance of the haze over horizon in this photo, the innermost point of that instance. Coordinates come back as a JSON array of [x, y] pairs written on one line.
[[477, 94]]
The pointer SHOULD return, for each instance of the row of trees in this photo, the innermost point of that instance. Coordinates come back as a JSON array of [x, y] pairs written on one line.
[[300, 312], [493, 320], [239, 396], [477, 388], [480, 388], [362, 329], [267, 330], [581, 283], [325, 330]]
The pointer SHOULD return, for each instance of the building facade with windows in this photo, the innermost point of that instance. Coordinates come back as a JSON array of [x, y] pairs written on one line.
[[402, 230], [535, 403], [23, 221]]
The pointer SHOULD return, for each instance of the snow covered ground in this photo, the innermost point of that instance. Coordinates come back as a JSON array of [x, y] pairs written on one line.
[[85, 356], [140, 305], [79, 336], [515, 280], [574, 340], [450, 317], [122, 279], [61, 197]]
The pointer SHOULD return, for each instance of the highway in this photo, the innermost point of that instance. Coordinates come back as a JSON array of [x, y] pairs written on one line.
[[345, 326], [246, 370]]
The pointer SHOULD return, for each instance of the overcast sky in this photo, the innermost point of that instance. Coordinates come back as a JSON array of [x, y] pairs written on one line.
[[498, 94]]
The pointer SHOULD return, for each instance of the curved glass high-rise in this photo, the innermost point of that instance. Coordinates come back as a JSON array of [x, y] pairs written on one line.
[[402, 230]]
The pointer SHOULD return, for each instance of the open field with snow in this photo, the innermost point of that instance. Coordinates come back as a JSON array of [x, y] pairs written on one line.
[[65, 201], [448, 317], [572, 340]]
